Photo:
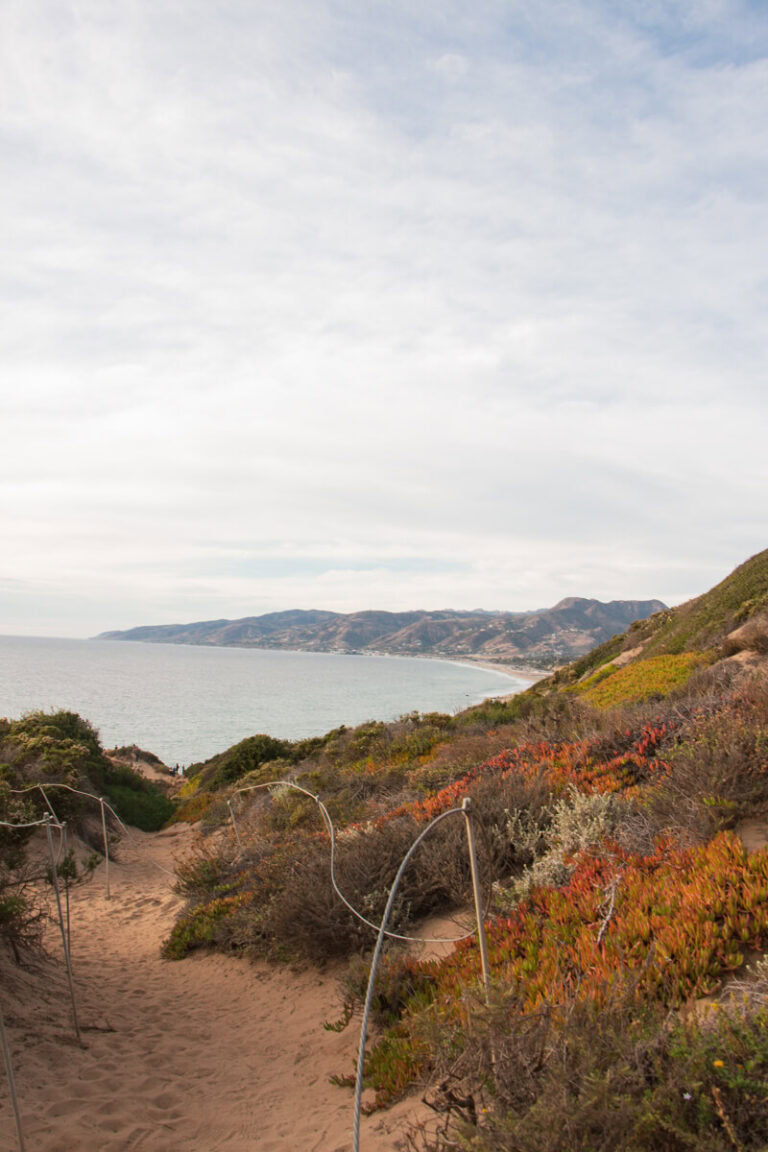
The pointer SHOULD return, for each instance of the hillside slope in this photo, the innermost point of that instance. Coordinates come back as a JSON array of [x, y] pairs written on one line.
[[721, 622], [544, 637], [612, 799]]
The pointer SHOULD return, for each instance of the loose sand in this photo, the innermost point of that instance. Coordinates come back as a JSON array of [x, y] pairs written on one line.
[[203, 1054]]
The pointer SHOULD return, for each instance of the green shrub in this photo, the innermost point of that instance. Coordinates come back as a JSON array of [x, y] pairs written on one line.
[[148, 810], [62, 748]]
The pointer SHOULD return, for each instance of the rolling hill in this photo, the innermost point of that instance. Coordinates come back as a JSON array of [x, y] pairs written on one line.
[[543, 638]]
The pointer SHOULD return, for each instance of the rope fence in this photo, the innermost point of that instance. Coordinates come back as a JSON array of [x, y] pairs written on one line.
[[332, 834], [29, 824], [105, 807], [51, 821], [465, 811]]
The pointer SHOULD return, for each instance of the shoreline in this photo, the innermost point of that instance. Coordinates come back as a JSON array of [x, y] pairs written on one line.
[[503, 667], [516, 671], [201, 725]]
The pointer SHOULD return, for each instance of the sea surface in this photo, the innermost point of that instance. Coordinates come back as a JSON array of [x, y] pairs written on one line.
[[186, 703]]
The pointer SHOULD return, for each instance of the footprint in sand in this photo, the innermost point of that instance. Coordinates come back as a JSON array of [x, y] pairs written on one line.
[[63, 1108], [166, 1079]]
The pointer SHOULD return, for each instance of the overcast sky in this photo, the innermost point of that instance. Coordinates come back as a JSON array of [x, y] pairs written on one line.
[[406, 304]]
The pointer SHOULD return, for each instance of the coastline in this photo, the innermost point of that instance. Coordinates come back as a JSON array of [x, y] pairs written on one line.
[[518, 671], [222, 694], [502, 667]]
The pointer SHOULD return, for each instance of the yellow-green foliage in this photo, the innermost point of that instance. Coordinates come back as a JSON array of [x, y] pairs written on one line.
[[189, 787], [656, 676], [202, 925], [193, 809], [697, 626]]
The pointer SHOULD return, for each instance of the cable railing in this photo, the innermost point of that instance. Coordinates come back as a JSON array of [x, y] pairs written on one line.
[[51, 821]]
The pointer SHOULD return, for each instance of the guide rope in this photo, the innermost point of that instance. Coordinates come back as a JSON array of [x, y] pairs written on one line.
[[332, 833], [79, 792], [29, 824], [374, 965], [51, 820]]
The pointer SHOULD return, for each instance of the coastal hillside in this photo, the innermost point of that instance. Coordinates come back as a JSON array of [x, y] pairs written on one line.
[[622, 806], [542, 638], [721, 623]]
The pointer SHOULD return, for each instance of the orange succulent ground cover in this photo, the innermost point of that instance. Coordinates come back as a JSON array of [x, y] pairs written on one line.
[[679, 919], [580, 763]]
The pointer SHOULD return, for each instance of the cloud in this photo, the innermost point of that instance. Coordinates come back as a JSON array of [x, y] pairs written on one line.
[[477, 292]]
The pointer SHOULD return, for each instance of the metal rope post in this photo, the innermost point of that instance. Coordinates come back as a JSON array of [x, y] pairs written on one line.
[[466, 808], [374, 966], [48, 803], [65, 942], [106, 842], [234, 825], [65, 849], [11, 1082]]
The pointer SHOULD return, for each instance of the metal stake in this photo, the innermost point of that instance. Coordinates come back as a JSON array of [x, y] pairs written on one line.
[[479, 914], [65, 849], [11, 1082], [65, 942], [234, 825], [374, 966], [48, 803], [106, 843]]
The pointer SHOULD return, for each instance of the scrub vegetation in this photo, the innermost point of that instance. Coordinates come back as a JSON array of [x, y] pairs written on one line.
[[58, 748], [609, 798], [622, 902]]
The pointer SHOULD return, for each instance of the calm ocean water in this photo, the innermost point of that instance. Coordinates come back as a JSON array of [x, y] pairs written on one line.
[[186, 703]]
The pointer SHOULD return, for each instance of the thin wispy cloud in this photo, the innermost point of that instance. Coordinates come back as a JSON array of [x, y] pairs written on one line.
[[350, 305]]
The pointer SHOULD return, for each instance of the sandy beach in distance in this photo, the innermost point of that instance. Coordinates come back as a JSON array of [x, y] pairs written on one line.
[[532, 675]]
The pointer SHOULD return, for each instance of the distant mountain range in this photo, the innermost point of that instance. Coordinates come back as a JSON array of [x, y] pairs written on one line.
[[542, 639]]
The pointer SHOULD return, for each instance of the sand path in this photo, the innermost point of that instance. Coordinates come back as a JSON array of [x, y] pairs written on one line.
[[204, 1054]]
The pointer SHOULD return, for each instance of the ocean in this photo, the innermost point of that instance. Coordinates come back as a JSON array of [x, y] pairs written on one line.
[[186, 703]]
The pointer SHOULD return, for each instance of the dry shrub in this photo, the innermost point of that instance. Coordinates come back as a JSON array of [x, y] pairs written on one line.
[[597, 1077], [718, 771], [718, 762], [751, 637], [299, 913], [578, 822], [454, 757], [292, 908], [202, 872]]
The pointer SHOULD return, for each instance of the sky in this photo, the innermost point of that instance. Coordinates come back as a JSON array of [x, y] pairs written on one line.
[[357, 304]]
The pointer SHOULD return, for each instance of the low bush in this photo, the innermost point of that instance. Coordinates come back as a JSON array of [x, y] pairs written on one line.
[[20, 908], [192, 810], [674, 923], [579, 822], [292, 908], [145, 808], [62, 748], [598, 1077]]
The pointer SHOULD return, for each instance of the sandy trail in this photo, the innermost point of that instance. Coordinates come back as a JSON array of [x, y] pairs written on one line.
[[203, 1054]]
